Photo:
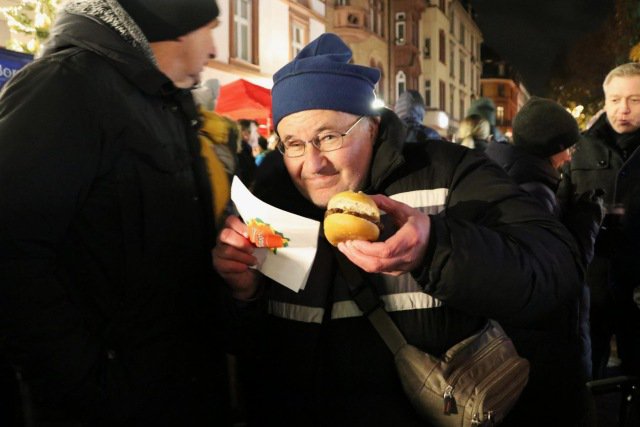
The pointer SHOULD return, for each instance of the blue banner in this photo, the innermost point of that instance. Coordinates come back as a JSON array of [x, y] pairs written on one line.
[[11, 62]]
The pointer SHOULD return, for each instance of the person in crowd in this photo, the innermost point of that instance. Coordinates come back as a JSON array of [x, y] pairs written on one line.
[[610, 159], [486, 108], [107, 290], [246, 162], [544, 136], [261, 150], [219, 139], [461, 244], [474, 133], [410, 108]]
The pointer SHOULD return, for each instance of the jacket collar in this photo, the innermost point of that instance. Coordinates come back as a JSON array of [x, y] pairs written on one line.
[[387, 155], [625, 144]]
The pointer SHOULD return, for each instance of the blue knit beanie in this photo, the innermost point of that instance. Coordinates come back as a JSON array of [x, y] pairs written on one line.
[[321, 78]]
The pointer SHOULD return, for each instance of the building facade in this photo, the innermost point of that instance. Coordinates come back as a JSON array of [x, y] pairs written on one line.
[[435, 48], [364, 26], [257, 37], [502, 84]]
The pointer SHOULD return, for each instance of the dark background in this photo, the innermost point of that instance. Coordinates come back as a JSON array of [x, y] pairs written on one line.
[[534, 35]]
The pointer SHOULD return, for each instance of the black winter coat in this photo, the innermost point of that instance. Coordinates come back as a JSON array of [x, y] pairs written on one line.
[[537, 176], [106, 285], [610, 161], [493, 252]]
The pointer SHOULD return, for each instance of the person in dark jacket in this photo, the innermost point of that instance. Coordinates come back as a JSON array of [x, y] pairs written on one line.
[[107, 290], [410, 108], [610, 159], [461, 244], [544, 136]]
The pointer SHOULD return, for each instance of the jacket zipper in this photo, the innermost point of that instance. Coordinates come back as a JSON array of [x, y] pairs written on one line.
[[478, 409]]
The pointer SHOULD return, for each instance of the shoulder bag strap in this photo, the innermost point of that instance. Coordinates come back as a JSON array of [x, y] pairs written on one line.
[[368, 301]]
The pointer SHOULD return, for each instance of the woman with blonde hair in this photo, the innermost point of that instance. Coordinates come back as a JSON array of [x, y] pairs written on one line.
[[474, 132]]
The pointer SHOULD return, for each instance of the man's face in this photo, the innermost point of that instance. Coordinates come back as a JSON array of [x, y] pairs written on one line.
[[196, 49], [622, 103], [319, 175]]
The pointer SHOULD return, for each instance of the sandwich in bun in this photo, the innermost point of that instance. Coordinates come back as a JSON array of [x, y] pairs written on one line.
[[351, 216]]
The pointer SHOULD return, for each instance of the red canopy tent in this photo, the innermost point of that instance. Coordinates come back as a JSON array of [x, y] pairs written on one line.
[[244, 100]]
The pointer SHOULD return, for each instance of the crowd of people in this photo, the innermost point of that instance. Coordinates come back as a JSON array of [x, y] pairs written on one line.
[[128, 288]]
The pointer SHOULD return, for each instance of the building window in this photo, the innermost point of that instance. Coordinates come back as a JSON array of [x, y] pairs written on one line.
[[245, 30], [462, 33], [462, 105], [473, 78], [452, 89], [401, 83], [427, 48], [427, 93], [376, 9], [298, 34], [473, 48], [452, 21], [500, 114], [452, 64], [462, 68], [401, 28], [342, 2], [442, 45], [443, 96], [380, 86], [501, 90], [443, 6]]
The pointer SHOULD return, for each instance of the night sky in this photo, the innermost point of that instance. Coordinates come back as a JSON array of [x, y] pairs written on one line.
[[530, 34]]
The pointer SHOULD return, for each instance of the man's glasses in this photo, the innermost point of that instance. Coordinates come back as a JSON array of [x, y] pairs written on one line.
[[324, 141]]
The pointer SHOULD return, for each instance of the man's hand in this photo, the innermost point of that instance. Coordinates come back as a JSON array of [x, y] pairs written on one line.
[[232, 257], [400, 253]]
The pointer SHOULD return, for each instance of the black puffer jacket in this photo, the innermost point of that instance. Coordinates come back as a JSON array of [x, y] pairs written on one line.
[[493, 252], [106, 285]]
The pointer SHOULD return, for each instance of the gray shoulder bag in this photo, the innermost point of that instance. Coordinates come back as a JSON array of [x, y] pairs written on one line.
[[475, 383]]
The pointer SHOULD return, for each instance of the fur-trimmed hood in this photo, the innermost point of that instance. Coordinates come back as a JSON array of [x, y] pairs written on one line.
[[108, 13]]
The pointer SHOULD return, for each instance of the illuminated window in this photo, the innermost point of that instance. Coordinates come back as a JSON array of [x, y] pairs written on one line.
[[400, 28], [299, 34], [452, 64], [442, 45], [500, 114], [401, 83], [376, 9], [427, 93], [245, 30]]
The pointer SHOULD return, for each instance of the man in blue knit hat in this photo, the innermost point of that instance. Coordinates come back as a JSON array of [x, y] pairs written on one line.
[[461, 244], [107, 291]]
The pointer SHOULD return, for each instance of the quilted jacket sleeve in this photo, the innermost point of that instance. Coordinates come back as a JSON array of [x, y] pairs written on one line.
[[495, 252]]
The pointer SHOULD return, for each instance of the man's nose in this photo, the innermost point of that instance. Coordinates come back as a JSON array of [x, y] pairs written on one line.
[[625, 106]]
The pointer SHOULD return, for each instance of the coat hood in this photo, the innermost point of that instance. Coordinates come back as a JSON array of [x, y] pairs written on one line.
[[522, 166], [103, 27], [410, 106]]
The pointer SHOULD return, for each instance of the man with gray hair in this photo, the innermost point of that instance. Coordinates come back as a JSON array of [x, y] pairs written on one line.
[[610, 160], [107, 291]]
